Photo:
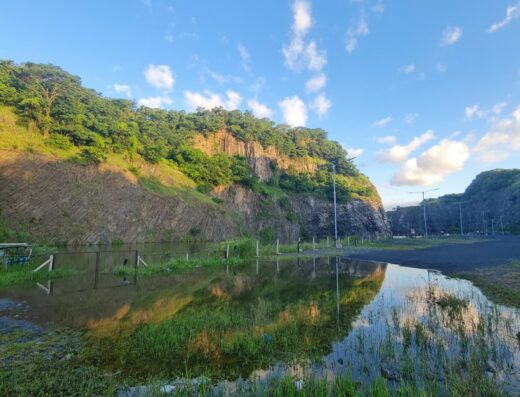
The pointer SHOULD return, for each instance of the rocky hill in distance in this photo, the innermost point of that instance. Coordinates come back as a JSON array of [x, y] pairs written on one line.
[[490, 204]]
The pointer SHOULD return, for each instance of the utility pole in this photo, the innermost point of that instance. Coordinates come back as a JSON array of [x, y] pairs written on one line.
[[335, 211], [459, 203], [424, 208]]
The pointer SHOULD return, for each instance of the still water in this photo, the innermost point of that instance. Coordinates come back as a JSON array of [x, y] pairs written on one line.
[[288, 316]]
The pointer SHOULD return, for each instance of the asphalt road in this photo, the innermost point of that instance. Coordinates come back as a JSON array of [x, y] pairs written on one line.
[[451, 258]]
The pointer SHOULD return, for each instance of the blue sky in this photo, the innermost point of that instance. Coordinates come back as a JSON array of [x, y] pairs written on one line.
[[426, 94]]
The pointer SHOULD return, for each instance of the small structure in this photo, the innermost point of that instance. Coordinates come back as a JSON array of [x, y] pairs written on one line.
[[15, 253]]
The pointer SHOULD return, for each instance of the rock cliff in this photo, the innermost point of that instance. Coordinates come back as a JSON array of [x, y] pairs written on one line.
[[490, 204], [59, 201]]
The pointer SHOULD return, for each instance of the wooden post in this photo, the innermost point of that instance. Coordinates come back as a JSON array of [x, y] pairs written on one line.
[[136, 258], [257, 266], [187, 256], [257, 248], [51, 263], [227, 251], [96, 274], [278, 246]]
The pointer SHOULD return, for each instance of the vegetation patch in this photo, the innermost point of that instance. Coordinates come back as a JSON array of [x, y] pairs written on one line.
[[500, 283]]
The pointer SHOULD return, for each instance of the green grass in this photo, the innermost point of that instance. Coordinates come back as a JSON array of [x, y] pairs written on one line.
[[501, 284], [15, 275], [176, 265]]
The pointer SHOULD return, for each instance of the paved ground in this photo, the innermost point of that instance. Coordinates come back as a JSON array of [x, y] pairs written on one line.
[[451, 258]]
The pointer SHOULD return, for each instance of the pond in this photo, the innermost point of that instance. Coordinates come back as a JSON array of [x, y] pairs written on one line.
[[312, 317]]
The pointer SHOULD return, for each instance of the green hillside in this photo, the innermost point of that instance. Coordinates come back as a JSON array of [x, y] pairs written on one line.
[[50, 111]]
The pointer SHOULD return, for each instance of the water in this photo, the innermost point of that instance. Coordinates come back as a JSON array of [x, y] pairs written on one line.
[[286, 316]]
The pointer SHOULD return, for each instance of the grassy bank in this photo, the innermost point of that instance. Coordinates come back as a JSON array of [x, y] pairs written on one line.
[[22, 275], [501, 284]]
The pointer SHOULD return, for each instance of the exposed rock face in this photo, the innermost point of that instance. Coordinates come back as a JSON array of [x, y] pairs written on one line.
[[259, 158], [490, 202], [59, 201]]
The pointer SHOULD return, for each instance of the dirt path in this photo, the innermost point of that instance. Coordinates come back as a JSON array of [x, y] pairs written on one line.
[[451, 258]]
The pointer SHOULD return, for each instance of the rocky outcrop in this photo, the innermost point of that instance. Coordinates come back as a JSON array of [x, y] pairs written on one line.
[[489, 204], [59, 201], [259, 157]]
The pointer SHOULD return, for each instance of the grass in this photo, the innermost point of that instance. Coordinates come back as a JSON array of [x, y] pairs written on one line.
[[176, 265], [500, 283], [16, 275]]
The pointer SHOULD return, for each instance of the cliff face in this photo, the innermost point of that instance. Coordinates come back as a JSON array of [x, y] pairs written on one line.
[[260, 158], [58, 201], [491, 202]]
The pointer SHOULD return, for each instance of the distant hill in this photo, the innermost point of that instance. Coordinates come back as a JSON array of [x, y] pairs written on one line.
[[490, 202], [76, 167]]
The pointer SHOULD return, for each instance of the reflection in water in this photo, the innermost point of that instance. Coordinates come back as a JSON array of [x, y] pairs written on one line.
[[295, 316]]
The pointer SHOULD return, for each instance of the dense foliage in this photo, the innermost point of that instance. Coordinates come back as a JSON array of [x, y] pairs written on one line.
[[68, 114]]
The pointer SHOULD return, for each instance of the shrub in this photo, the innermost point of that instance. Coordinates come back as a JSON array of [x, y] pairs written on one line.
[[59, 141]]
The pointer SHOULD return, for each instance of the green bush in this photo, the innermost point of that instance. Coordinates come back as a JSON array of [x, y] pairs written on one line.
[[59, 141], [92, 155]]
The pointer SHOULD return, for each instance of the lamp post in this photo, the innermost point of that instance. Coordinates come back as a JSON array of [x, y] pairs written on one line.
[[335, 211], [424, 208]]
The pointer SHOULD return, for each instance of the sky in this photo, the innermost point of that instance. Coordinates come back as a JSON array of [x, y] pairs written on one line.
[[425, 94]]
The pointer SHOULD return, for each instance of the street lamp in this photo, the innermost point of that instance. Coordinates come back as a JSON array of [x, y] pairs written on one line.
[[424, 208]]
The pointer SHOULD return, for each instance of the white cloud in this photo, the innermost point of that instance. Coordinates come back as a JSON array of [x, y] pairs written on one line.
[[123, 89], [410, 118], [354, 33], [407, 69], [316, 59], [499, 107], [352, 152], [450, 35], [502, 139], [302, 18], [209, 100], [260, 110], [244, 56], [471, 111], [299, 54], [155, 102], [433, 165], [388, 139], [294, 111], [382, 123], [221, 79], [442, 67], [159, 76], [316, 83], [321, 105], [512, 12], [400, 153]]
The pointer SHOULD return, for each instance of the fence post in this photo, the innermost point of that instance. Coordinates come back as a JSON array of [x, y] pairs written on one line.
[[51, 263], [227, 251], [136, 258], [257, 248], [278, 246], [313, 243], [327, 241], [187, 256]]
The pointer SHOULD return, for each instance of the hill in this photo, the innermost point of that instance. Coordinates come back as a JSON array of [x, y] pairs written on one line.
[[489, 204], [76, 167]]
